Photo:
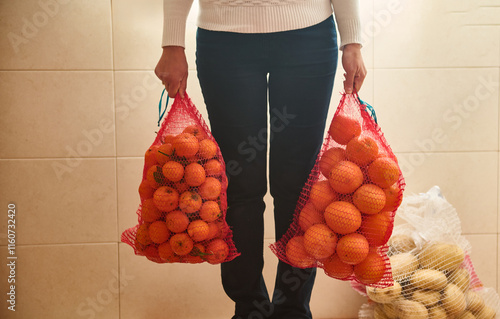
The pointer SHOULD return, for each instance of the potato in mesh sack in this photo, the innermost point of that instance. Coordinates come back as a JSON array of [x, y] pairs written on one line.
[[345, 213], [434, 277], [181, 217]]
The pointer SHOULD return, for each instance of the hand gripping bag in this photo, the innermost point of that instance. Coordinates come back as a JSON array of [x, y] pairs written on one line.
[[183, 203], [345, 213]]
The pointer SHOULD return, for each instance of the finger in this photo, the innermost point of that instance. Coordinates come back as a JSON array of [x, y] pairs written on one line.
[[182, 87], [172, 89], [348, 82]]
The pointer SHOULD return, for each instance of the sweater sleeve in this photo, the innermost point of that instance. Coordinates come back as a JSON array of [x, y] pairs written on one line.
[[348, 21], [175, 14]]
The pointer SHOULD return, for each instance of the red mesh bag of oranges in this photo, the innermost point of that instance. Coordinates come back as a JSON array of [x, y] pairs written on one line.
[[345, 214], [181, 216]]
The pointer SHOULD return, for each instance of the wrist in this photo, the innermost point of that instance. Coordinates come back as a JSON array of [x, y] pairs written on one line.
[[352, 46]]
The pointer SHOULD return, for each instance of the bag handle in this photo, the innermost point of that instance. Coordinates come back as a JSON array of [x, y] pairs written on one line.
[[368, 108], [160, 113]]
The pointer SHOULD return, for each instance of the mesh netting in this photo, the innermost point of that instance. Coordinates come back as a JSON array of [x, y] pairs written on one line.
[[433, 273], [345, 213], [182, 214]]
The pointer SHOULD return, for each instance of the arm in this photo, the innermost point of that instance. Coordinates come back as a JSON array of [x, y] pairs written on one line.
[[172, 69], [347, 17]]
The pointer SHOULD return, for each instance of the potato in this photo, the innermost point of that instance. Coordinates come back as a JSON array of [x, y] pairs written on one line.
[[378, 312], [400, 244], [428, 298], [384, 295], [390, 310], [441, 256], [429, 279], [407, 289], [437, 312], [474, 301], [486, 313], [461, 278], [411, 309], [453, 300], [466, 315], [403, 265]]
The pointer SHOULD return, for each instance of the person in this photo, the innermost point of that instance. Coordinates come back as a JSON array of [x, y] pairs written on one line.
[[266, 70]]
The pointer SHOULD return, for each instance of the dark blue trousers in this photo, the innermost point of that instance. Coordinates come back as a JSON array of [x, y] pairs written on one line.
[[239, 74]]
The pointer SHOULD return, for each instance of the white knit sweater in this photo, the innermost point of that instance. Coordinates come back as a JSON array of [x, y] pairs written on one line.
[[260, 16]]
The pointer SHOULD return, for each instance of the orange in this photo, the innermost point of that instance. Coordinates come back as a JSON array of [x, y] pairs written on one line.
[[210, 211], [195, 130], [138, 246], [297, 254], [173, 171], [369, 199], [190, 202], [213, 230], [185, 145], [377, 228], [196, 255], [342, 217], [177, 221], [213, 167], [145, 190], [329, 159], [217, 251], [309, 216], [321, 195], [224, 228], [392, 198], [362, 150], [151, 253], [155, 177], [149, 211], [371, 269], [181, 244], [158, 232], [164, 153], [168, 139], [352, 248], [150, 156], [336, 268], [142, 235], [181, 186], [198, 230], [207, 149], [166, 253], [210, 189], [383, 172], [320, 241], [345, 177], [343, 129], [194, 174], [166, 198]]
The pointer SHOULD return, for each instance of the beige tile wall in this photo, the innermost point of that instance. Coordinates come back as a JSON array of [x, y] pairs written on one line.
[[78, 105]]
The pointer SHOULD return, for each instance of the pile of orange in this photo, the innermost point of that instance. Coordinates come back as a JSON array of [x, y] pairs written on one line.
[[181, 210], [350, 210]]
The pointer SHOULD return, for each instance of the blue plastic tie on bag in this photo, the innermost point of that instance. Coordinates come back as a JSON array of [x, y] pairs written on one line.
[[369, 109], [160, 113]]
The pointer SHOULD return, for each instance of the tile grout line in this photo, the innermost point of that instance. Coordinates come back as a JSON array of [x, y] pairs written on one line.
[[113, 72]]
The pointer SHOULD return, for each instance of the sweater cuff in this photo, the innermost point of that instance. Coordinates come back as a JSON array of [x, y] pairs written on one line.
[[174, 33], [349, 32]]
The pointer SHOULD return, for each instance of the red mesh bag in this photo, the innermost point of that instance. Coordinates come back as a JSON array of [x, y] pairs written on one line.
[[182, 214], [345, 214]]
